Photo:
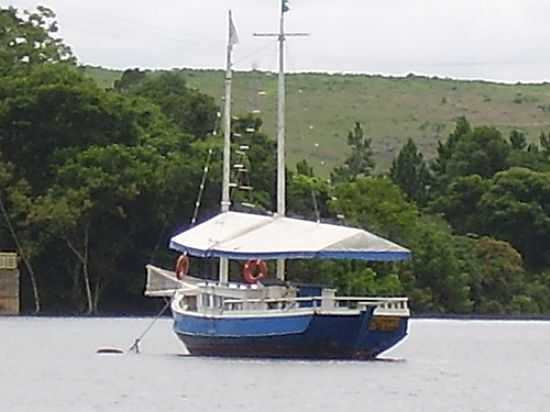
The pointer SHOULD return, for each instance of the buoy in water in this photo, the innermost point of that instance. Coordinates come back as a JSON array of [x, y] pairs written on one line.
[[110, 351]]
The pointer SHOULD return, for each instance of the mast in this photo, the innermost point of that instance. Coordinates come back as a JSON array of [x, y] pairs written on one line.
[[281, 106], [281, 158], [281, 127], [281, 101], [232, 39]]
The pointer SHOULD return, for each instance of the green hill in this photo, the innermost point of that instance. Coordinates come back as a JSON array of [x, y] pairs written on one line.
[[321, 108]]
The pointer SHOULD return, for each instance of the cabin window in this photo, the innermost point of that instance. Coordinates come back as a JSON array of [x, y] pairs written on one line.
[[204, 300], [191, 302]]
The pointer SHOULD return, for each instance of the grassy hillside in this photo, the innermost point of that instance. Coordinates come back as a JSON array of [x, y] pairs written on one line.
[[321, 108]]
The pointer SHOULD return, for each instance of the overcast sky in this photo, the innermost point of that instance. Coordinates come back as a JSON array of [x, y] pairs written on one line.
[[504, 40]]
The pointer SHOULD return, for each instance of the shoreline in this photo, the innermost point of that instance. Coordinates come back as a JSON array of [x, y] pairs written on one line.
[[478, 316], [424, 316]]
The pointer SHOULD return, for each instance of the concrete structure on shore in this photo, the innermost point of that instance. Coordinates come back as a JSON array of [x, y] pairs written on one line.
[[9, 284]]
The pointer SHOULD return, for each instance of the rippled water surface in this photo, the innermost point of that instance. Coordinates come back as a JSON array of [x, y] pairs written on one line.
[[52, 365]]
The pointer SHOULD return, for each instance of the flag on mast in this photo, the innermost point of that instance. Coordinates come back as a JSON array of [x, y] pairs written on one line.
[[285, 6], [233, 36]]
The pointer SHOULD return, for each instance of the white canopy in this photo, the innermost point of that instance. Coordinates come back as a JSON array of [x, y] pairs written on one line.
[[245, 236]]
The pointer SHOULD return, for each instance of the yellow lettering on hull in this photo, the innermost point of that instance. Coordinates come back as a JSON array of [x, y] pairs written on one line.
[[384, 323]]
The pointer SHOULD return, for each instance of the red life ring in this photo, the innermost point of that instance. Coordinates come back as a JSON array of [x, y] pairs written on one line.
[[254, 270], [182, 266]]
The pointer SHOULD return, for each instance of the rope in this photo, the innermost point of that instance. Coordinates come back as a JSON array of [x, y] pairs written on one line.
[[201, 187], [301, 134], [135, 345], [317, 213], [269, 45]]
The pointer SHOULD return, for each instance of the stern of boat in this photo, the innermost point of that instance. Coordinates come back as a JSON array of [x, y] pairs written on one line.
[[386, 327]]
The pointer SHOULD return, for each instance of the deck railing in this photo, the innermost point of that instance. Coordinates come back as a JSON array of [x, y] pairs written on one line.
[[210, 302]]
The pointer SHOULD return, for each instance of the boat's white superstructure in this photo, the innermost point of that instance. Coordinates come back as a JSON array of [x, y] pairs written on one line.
[[203, 297]]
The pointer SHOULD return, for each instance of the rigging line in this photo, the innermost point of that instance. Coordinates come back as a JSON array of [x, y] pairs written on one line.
[[197, 204], [317, 213], [219, 117], [135, 346], [314, 197], [266, 46], [201, 187], [301, 134]]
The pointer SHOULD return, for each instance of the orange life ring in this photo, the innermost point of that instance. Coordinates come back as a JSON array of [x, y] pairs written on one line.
[[182, 266], [254, 270]]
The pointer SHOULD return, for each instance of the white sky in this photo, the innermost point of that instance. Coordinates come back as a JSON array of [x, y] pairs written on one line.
[[504, 40]]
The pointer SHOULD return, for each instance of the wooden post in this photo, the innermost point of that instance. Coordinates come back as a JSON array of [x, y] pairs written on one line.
[[9, 284]]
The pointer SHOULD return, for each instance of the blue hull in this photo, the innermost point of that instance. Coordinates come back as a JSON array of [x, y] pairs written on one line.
[[312, 335]]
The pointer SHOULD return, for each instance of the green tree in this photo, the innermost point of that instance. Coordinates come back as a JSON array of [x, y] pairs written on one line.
[[26, 40], [54, 112], [410, 172], [130, 78], [360, 162], [376, 204], [544, 140], [83, 153], [14, 203], [90, 197], [483, 152], [500, 275], [446, 149], [349, 278], [193, 112], [538, 289], [358, 279], [261, 163], [304, 168], [460, 203], [518, 141], [435, 279], [308, 197], [95, 207], [527, 155], [516, 208]]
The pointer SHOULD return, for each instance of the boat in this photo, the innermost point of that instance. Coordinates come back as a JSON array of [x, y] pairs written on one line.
[[273, 317]]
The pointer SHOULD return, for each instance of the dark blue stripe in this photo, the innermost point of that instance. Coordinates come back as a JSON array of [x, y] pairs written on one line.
[[380, 256]]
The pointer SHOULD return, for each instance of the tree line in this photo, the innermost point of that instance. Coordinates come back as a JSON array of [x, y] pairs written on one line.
[[94, 182]]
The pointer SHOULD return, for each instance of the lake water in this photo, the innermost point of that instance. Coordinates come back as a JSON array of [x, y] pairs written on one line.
[[51, 365]]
